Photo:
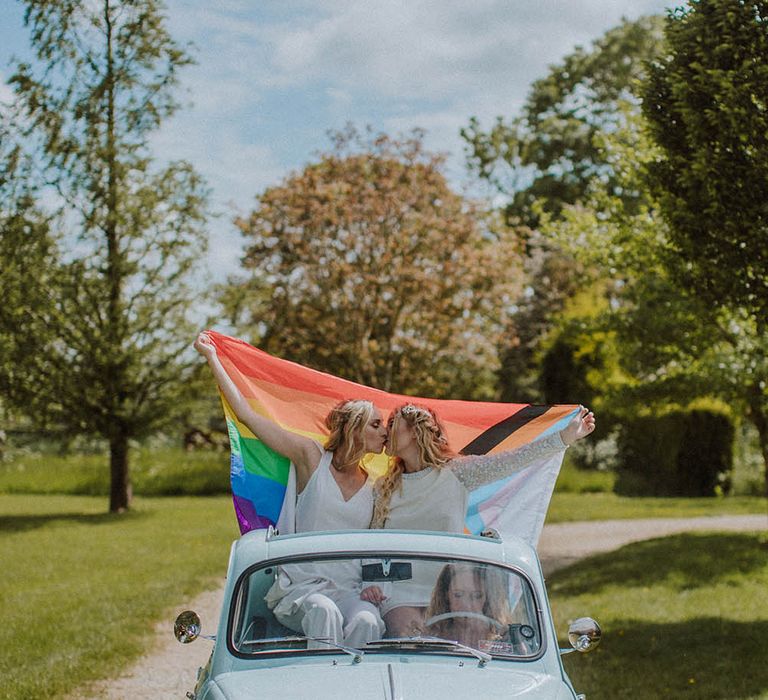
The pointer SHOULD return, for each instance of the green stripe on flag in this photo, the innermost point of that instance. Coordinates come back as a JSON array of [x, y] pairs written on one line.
[[260, 459], [234, 438]]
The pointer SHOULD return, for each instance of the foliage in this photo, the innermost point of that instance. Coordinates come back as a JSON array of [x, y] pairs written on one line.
[[579, 362], [575, 480], [707, 108], [552, 279], [748, 466], [675, 612], [94, 335], [368, 266], [71, 618], [674, 345], [676, 454], [546, 157]]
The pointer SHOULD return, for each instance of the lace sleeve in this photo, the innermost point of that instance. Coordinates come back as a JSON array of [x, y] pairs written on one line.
[[474, 471]]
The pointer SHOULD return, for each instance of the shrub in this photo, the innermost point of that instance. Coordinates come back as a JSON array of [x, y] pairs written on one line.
[[681, 453]]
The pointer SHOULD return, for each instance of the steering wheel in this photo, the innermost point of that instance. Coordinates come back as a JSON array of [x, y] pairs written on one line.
[[465, 614]]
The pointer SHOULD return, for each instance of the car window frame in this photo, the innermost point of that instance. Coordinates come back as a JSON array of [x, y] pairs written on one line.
[[235, 599]]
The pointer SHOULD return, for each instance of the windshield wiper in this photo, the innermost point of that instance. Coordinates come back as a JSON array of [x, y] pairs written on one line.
[[356, 654], [434, 642]]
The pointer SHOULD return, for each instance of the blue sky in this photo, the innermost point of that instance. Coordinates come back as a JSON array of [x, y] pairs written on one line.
[[273, 76]]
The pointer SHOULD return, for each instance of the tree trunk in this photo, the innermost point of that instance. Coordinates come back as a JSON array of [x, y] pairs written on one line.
[[762, 431], [759, 417], [120, 492], [120, 485]]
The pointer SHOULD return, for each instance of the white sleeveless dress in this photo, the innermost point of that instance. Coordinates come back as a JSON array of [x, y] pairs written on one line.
[[321, 506], [436, 499]]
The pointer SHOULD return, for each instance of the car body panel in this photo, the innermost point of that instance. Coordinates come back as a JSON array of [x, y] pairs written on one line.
[[392, 673]]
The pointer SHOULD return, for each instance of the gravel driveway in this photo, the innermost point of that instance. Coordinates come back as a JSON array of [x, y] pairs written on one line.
[[168, 670]]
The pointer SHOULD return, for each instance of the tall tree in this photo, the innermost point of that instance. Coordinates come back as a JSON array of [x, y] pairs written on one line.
[[675, 344], [707, 106], [546, 157], [98, 345], [367, 265]]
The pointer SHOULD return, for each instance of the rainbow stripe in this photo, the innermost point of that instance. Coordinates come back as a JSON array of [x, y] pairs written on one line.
[[298, 398]]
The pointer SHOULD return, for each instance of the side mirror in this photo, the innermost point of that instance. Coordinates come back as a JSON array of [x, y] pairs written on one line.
[[186, 629], [584, 634]]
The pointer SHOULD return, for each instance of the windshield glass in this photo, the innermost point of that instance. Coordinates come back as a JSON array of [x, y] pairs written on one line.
[[416, 603]]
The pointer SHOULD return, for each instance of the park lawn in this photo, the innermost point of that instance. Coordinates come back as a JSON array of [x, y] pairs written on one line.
[[682, 617], [82, 589], [566, 507], [167, 471], [158, 471]]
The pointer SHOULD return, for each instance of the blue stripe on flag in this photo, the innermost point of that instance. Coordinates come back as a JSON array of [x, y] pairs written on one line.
[[265, 494], [557, 427], [236, 466], [481, 494], [474, 522]]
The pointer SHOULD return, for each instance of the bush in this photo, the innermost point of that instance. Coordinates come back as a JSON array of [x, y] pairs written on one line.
[[681, 453]]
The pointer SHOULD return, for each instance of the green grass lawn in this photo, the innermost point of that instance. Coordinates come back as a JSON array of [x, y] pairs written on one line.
[[579, 494], [566, 507], [164, 471], [682, 617], [81, 589]]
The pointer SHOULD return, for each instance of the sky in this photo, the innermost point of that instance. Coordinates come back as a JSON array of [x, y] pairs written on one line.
[[274, 76]]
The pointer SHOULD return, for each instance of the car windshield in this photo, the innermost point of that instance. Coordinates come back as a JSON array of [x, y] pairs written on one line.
[[419, 603]]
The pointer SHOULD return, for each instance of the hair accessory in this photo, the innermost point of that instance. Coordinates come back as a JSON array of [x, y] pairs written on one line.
[[413, 410]]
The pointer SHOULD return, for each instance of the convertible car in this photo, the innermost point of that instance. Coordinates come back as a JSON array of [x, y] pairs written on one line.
[[486, 631]]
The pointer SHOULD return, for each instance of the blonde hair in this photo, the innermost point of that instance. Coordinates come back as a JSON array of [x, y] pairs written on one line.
[[488, 579], [346, 424], [433, 452]]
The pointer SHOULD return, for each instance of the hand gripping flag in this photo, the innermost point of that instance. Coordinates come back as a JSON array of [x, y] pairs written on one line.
[[298, 398]]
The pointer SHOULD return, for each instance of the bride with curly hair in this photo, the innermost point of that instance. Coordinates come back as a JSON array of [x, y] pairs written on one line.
[[427, 488]]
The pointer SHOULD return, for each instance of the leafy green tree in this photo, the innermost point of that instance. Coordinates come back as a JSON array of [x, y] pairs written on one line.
[[707, 106], [95, 336], [552, 278], [367, 265], [675, 345], [546, 157]]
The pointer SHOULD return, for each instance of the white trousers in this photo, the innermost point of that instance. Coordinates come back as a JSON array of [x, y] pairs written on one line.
[[344, 620]]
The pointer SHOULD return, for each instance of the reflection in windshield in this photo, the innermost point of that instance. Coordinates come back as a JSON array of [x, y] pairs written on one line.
[[482, 606], [469, 604]]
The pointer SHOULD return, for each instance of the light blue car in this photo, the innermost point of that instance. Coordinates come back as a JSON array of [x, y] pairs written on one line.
[[486, 630]]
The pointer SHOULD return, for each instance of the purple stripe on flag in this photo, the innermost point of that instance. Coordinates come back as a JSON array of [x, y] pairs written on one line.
[[247, 518]]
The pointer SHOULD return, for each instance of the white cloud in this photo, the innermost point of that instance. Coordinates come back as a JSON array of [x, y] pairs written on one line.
[[6, 94], [235, 167], [272, 77], [436, 48]]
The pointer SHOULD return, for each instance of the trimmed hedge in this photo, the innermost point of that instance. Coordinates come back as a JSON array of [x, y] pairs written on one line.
[[681, 453]]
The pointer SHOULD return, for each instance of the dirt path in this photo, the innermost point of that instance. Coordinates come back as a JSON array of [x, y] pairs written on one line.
[[565, 543], [168, 669]]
